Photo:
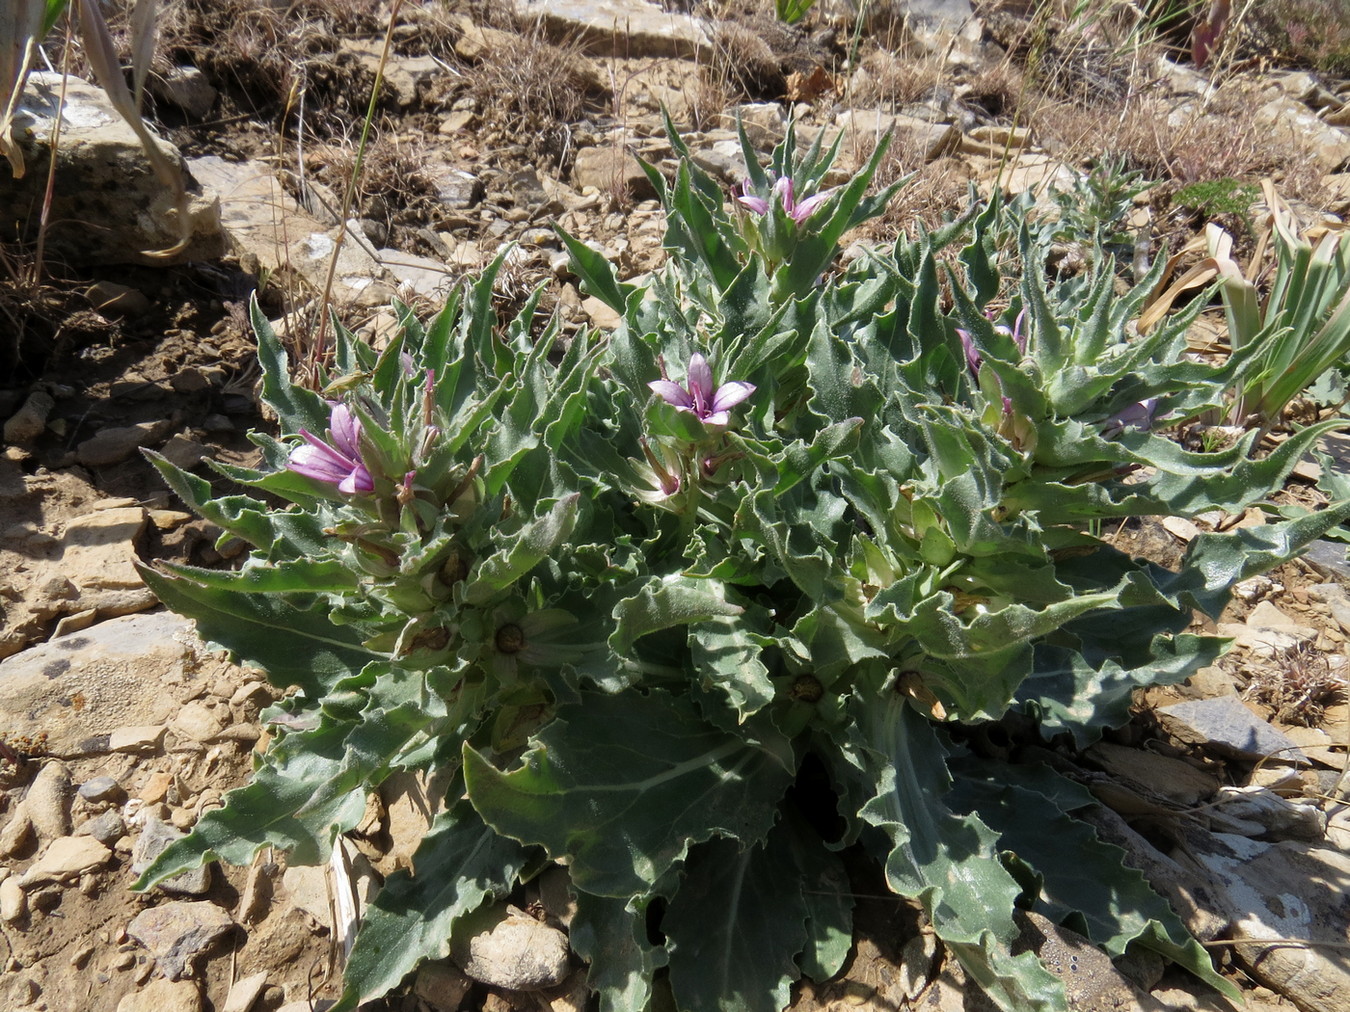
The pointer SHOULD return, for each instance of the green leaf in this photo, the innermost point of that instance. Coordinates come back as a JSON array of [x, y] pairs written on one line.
[[726, 655], [611, 935], [596, 273], [947, 862], [666, 603], [526, 549], [1114, 901], [294, 641], [734, 927], [624, 784], [296, 407], [459, 865]]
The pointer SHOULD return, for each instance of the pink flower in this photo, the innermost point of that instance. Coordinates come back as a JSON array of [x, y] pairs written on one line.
[[782, 189], [711, 405], [336, 463]]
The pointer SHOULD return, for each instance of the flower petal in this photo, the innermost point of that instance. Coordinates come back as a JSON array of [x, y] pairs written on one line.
[[757, 204], [671, 393], [358, 481], [346, 431], [730, 394], [783, 190], [700, 383], [319, 461]]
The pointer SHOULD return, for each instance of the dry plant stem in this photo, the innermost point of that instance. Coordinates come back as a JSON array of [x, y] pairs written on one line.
[[49, 191], [321, 334]]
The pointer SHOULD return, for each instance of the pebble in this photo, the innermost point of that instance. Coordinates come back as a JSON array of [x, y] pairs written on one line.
[[12, 900], [66, 858], [156, 788], [114, 445], [101, 789], [17, 832], [197, 722], [517, 953], [48, 800], [244, 992], [153, 840], [1226, 726], [106, 827], [145, 738], [29, 421], [163, 996], [177, 932], [441, 985]]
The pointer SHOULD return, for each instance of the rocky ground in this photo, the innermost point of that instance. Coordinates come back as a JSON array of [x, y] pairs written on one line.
[[495, 122]]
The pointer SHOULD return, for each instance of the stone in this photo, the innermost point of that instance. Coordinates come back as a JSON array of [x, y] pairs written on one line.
[[630, 29], [601, 315], [911, 136], [611, 169], [112, 299], [196, 722], [270, 231], [154, 839], [98, 549], [177, 932], [30, 421], [163, 996], [13, 901], [244, 992], [441, 984], [66, 858], [108, 206], [402, 75], [1266, 615], [1160, 775], [187, 88], [307, 888], [117, 671], [106, 827], [137, 740], [511, 950], [184, 451], [1226, 726], [1256, 811], [418, 275], [17, 832], [1293, 123], [48, 800], [1329, 557], [1284, 891], [114, 445]]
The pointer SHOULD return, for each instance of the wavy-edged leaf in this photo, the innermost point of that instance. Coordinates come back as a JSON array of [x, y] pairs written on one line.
[[947, 862], [665, 603], [611, 934], [526, 549], [459, 865], [294, 641], [624, 784]]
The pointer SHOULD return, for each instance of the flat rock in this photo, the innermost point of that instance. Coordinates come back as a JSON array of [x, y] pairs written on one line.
[[420, 275], [1226, 726], [108, 207], [244, 992], [441, 984], [909, 134], [114, 445], [1293, 123], [627, 28], [196, 722], [163, 996], [177, 932], [48, 800], [1161, 775], [66, 858], [1286, 891], [514, 951], [153, 840], [84, 686], [1329, 557], [98, 549], [101, 789]]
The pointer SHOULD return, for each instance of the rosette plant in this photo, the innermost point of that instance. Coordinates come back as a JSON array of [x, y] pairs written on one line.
[[704, 610]]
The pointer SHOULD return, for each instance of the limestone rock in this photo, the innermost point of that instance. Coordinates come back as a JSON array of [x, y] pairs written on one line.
[[1228, 727], [1292, 122], [196, 722], [48, 801], [13, 903], [108, 207], [175, 933], [631, 29], [514, 951], [441, 985], [99, 548], [30, 421], [1284, 891], [611, 169], [66, 858], [117, 669], [163, 996], [244, 992], [185, 87]]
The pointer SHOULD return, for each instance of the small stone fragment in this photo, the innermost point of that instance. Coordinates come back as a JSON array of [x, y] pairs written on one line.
[[48, 800], [145, 738], [29, 421], [17, 832], [66, 858], [101, 789], [106, 827], [197, 722], [12, 900], [516, 952], [153, 840], [163, 996], [441, 984], [244, 992], [175, 933]]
